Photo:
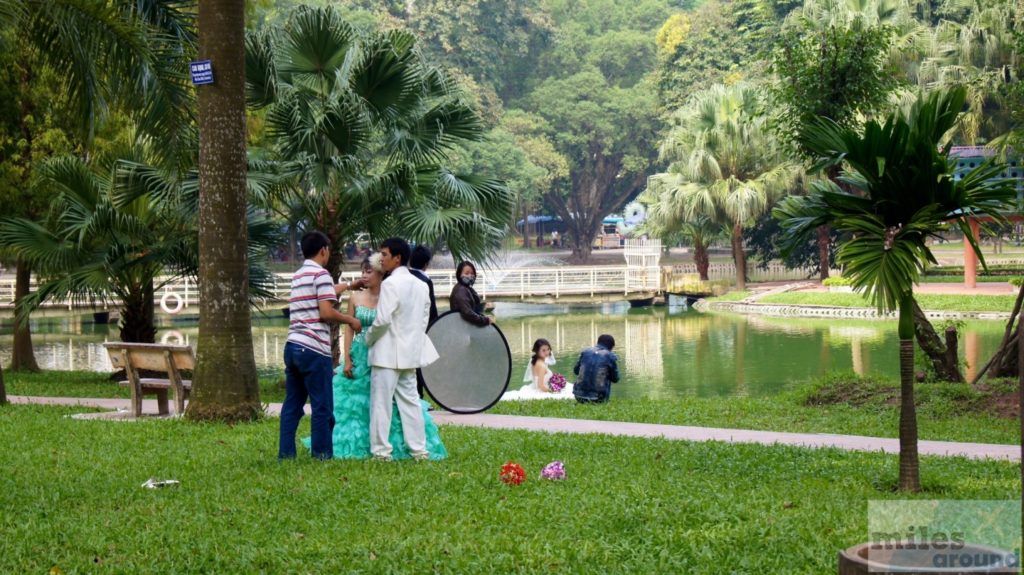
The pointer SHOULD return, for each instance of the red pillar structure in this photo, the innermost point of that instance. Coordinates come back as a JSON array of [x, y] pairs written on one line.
[[970, 258]]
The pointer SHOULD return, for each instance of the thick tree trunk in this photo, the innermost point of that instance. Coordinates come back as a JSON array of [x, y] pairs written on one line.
[[739, 257], [823, 243], [581, 249], [700, 258], [23, 356], [224, 386], [947, 367], [910, 474], [138, 322]]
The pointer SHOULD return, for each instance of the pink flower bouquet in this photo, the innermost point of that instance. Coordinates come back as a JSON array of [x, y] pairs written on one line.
[[554, 471], [557, 382]]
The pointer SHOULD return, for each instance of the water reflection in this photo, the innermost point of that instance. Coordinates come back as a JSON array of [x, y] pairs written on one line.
[[663, 352]]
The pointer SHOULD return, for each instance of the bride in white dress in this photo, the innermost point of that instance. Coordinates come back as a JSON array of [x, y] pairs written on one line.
[[538, 377]]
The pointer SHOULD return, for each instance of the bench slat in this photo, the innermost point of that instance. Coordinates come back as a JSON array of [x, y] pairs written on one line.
[[151, 358], [157, 383]]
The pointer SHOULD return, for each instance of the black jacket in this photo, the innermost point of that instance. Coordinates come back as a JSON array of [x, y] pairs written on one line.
[[465, 301], [430, 285]]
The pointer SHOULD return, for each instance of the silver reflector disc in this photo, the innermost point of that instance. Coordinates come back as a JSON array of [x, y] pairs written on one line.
[[474, 368]]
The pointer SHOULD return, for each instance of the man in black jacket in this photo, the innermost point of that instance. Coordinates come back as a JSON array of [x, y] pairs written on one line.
[[418, 263], [418, 266]]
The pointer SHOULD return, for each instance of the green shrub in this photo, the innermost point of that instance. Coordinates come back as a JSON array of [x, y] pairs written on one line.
[[836, 281]]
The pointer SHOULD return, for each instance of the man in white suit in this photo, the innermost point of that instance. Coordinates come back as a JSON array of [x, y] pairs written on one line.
[[398, 345]]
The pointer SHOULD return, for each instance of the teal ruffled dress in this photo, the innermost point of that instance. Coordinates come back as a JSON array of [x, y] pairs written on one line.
[[352, 407]]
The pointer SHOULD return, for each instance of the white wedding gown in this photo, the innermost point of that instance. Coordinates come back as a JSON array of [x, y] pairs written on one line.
[[532, 391]]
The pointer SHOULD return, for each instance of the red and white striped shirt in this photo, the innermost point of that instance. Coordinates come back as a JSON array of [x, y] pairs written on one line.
[[311, 285]]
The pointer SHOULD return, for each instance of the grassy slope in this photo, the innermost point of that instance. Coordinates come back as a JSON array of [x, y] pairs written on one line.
[[70, 498]]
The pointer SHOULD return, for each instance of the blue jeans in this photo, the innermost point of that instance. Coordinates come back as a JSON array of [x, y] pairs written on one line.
[[307, 374]]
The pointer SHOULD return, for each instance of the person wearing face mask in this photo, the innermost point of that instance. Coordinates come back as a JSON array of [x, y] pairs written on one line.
[[464, 298]]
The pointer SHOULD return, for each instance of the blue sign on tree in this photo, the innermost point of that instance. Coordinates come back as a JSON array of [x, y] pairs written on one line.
[[202, 72]]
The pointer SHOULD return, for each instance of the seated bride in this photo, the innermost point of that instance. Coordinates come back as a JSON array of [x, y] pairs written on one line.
[[541, 382]]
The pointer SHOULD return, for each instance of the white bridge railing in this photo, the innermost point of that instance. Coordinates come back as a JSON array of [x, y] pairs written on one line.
[[520, 283]]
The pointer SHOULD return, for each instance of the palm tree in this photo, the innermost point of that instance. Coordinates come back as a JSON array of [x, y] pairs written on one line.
[[664, 221], [89, 249], [106, 54], [724, 165], [903, 190], [365, 124], [224, 386], [981, 54], [113, 230]]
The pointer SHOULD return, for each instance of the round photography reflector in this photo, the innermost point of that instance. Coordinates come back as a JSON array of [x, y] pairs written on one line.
[[474, 368]]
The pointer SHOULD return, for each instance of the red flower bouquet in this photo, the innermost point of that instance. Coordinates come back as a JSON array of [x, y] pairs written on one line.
[[512, 474]]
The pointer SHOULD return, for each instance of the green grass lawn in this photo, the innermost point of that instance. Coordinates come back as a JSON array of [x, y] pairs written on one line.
[[936, 302], [838, 403], [959, 279], [71, 501], [93, 384]]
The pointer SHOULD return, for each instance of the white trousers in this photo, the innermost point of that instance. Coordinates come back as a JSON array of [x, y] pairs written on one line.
[[398, 385]]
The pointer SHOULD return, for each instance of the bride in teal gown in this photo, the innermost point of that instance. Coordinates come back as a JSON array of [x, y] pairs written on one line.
[[352, 388]]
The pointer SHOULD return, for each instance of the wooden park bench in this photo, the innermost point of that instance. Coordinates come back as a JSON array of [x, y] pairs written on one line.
[[170, 359]]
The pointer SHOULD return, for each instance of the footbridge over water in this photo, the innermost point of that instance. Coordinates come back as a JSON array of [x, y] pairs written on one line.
[[639, 279]]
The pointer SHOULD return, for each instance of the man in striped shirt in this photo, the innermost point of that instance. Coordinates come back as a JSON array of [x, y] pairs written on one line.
[[307, 352]]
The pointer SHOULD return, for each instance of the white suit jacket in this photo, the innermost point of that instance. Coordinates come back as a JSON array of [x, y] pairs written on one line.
[[398, 337]]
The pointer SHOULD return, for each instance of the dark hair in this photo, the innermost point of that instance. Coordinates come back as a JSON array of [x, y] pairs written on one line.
[[463, 265], [606, 340], [420, 257], [313, 242], [397, 247], [365, 265], [536, 349]]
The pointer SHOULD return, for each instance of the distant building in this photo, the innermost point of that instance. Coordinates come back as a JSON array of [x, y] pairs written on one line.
[[970, 157]]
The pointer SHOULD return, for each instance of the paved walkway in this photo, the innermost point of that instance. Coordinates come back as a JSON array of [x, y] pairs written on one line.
[[651, 430]]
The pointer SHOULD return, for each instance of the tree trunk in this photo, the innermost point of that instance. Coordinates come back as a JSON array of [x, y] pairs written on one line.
[[138, 323], [1008, 344], [335, 265], [947, 367], [23, 356], [224, 385], [1020, 408], [581, 250], [823, 243], [293, 239], [953, 350], [3, 390], [700, 258], [910, 474], [739, 257], [526, 225]]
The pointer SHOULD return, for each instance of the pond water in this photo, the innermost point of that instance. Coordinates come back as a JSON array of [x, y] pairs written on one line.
[[664, 352]]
